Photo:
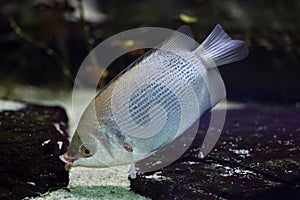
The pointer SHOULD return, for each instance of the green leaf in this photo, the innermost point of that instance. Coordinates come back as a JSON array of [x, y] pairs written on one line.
[[188, 19]]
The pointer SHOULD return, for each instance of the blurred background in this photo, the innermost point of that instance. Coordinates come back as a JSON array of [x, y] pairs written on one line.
[[43, 42]]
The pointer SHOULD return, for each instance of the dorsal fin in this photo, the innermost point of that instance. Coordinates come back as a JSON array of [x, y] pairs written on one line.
[[180, 40]]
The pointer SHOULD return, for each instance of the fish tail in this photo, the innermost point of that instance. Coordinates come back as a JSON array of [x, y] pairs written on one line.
[[219, 49]]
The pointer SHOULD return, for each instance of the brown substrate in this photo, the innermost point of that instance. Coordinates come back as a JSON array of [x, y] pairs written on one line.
[[256, 157]]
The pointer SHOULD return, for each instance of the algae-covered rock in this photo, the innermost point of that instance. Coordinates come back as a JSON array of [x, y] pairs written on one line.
[[256, 157], [31, 139]]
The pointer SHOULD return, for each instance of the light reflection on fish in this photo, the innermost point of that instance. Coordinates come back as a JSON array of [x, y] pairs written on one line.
[[153, 102]]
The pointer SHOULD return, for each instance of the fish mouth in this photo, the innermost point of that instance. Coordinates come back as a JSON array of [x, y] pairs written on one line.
[[68, 161]]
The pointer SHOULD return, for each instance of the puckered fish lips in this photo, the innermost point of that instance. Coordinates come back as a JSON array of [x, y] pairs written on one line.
[[72, 154], [68, 160]]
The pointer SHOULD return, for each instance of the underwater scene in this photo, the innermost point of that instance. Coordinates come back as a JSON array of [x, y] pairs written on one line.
[[195, 99]]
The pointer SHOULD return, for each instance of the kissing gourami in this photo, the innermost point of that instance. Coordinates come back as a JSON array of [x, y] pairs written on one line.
[[153, 101]]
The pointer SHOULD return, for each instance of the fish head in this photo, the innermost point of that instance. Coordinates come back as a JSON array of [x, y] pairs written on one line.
[[92, 144], [84, 149], [79, 153]]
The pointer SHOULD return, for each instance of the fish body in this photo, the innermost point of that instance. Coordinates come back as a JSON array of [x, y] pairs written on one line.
[[154, 101]]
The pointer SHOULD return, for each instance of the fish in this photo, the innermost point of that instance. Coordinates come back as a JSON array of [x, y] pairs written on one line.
[[153, 101]]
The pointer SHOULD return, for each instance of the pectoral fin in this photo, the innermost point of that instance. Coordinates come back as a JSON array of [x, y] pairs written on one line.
[[128, 147], [132, 171], [132, 167]]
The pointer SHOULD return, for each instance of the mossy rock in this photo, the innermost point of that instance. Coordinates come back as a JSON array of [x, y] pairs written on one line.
[[31, 138]]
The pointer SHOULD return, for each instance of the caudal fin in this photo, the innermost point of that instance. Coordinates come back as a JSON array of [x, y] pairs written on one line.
[[219, 49]]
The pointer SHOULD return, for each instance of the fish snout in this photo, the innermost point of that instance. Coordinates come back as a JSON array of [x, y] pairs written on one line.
[[68, 160]]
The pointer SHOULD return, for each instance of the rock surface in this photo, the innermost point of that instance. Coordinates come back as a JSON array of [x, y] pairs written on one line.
[[256, 157], [31, 138]]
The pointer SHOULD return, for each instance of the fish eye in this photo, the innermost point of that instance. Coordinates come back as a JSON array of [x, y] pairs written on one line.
[[86, 150]]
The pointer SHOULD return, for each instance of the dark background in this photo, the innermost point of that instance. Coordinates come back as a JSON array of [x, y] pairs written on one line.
[[43, 42]]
